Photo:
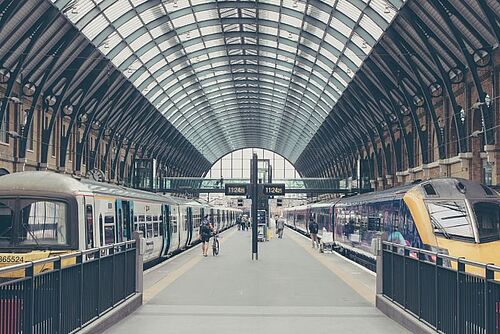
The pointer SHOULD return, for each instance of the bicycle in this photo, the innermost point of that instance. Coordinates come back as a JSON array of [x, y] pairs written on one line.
[[215, 245]]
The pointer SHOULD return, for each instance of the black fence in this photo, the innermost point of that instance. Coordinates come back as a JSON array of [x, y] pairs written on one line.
[[64, 293], [452, 295]]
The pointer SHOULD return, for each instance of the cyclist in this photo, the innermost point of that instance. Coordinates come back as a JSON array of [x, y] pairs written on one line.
[[206, 230]]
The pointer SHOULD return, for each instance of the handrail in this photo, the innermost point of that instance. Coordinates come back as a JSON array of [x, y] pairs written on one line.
[[54, 258], [462, 260]]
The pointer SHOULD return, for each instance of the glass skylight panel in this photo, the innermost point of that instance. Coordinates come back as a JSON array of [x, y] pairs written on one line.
[[152, 14], [116, 10], [371, 27], [129, 27], [121, 57], [291, 20], [155, 95], [340, 26], [158, 31], [139, 42], [348, 9], [341, 80], [138, 2], [149, 55], [318, 14], [82, 8], [144, 76], [274, 59], [95, 27], [384, 9]]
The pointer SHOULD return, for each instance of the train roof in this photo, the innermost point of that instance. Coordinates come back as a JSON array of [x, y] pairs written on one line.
[[41, 182], [34, 182]]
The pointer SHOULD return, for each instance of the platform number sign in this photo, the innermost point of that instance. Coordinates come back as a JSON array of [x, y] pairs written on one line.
[[274, 189], [232, 189]]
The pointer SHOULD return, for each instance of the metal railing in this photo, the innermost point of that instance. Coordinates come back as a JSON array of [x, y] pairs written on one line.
[[441, 290], [64, 293]]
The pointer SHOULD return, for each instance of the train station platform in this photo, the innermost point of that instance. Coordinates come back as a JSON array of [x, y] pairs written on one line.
[[290, 289]]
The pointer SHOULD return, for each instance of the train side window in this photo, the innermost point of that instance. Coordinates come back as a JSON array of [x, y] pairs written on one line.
[[6, 224], [109, 229], [488, 221], [89, 225], [156, 229], [149, 227], [101, 228]]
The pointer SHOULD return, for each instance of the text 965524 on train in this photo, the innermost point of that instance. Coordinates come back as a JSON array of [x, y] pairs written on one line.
[[43, 214]]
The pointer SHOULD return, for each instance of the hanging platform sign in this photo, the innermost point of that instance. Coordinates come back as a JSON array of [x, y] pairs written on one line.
[[235, 189]]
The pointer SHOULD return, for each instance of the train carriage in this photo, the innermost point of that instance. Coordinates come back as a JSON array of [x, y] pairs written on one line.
[[44, 213], [450, 216]]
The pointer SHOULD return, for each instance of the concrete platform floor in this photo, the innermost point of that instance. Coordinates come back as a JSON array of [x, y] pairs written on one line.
[[291, 289]]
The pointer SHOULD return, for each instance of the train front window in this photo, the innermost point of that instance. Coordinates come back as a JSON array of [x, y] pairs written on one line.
[[43, 223], [450, 219], [6, 224], [488, 221]]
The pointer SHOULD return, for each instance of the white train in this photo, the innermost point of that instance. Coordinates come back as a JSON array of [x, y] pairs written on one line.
[[44, 213]]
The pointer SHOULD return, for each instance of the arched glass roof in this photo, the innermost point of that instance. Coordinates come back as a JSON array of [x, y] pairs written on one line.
[[235, 74]]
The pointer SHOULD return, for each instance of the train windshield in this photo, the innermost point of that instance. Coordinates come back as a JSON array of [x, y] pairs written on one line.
[[488, 221], [36, 224], [6, 224], [450, 219]]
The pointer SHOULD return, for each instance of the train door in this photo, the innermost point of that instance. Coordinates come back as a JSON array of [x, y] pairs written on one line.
[[119, 220], [90, 230], [128, 218], [189, 222], [166, 228]]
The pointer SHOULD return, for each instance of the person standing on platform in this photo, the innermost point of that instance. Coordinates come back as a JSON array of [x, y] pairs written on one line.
[[280, 226], [206, 230], [313, 231]]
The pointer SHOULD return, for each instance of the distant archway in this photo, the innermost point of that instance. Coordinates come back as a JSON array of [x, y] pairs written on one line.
[[4, 171]]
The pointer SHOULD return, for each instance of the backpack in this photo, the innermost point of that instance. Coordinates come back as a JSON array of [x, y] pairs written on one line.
[[205, 230], [313, 227]]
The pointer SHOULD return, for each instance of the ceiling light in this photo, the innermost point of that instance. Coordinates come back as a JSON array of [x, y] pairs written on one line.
[[387, 10], [188, 34], [175, 4], [365, 45], [295, 4]]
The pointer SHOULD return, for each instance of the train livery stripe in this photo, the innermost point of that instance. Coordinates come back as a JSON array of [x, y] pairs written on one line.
[[416, 205]]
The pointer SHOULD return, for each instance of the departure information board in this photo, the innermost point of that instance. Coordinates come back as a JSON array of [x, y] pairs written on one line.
[[236, 189], [274, 189]]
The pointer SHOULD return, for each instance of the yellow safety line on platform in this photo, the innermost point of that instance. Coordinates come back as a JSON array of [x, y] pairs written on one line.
[[162, 284], [363, 290]]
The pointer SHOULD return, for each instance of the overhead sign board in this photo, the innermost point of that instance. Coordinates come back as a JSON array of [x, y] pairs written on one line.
[[236, 189], [274, 189]]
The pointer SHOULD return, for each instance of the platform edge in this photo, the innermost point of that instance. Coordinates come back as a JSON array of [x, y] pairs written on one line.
[[402, 317], [114, 316]]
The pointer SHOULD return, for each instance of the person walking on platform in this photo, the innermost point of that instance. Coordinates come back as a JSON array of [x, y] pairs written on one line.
[[238, 222], [280, 226], [206, 230], [313, 231]]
